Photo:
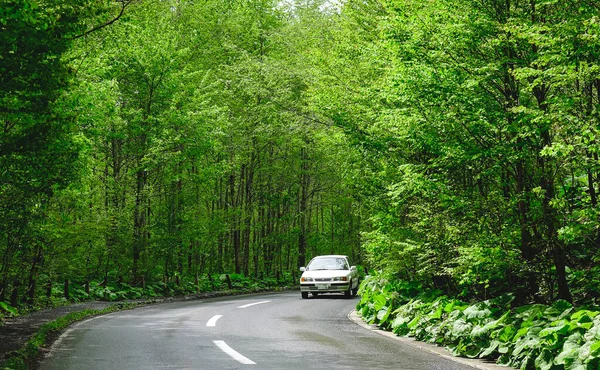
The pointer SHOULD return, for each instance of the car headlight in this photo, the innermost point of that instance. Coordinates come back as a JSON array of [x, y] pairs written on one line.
[[340, 278], [304, 279]]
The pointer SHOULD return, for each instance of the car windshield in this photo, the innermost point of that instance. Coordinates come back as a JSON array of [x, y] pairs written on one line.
[[328, 264]]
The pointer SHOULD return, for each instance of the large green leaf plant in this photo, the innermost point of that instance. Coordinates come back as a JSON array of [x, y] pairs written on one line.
[[549, 337]]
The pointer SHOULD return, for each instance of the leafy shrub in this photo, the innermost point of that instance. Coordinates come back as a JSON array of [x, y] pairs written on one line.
[[242, 282], [535, 336], [380, 297]]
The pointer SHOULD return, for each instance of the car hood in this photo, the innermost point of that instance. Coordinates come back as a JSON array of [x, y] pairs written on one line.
[[325, 273]]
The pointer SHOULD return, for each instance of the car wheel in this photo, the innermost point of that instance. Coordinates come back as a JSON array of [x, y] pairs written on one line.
[[314, 294], [304, 294], [355, 290], [348, 293]]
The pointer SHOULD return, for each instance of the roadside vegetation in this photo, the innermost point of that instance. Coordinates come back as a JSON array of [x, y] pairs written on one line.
[[118, 291], [534, 336]]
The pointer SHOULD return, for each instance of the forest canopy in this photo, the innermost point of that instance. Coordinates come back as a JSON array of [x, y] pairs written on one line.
[[446, 142]]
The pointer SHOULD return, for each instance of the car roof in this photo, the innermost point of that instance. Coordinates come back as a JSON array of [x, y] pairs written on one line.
[[331, 256]]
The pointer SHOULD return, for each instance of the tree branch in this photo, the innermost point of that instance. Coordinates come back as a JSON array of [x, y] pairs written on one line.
[[124, 5]]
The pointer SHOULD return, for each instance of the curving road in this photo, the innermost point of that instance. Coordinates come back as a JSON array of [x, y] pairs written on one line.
[[266, 331]]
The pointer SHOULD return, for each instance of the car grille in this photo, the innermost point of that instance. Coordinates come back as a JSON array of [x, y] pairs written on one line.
[[322, 279]]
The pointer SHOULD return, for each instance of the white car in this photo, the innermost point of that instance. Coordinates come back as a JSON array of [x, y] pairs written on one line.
[[329, 274]]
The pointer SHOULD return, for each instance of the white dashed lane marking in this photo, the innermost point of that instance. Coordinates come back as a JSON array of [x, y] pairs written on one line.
[[224, 347], [213, 320], [233, 353], [253, 304]]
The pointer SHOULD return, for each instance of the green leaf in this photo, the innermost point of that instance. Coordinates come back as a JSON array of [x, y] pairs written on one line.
[[490, 349], [379, 301], [437, 314], [461, 328], [584, 316], [506, 334], [545, 360], [561, 328], [570, 350], [477, 311], [414, 322], [595, 348], [8, 308], [383, 314]]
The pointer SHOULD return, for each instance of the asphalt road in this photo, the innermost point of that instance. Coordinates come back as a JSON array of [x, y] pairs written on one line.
[[265, 331]]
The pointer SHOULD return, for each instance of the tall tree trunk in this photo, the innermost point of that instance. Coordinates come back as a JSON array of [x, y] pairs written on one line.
[[511, 91], [222, 208], [248, 211], [139, 222], [303, 206], [33, 273], [179, 226], [549, 212], [235, 223]]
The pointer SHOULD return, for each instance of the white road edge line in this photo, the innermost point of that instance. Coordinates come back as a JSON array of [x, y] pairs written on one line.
[[232, 353], [253, 304], [213, 320]]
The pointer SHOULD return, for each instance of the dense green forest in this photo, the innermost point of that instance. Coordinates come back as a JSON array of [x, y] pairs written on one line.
[[164, 142]]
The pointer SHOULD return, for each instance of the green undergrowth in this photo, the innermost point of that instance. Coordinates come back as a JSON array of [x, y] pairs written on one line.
[[115, 291], [537, 336]]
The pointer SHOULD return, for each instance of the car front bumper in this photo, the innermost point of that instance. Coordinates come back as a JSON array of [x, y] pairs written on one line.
[[330, 287]]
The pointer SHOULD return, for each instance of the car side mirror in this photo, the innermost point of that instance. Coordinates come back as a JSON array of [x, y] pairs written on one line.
[[352, 268], [302, 269]]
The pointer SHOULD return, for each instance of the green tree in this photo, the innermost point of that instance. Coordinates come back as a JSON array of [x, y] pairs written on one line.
[[38, 146]]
